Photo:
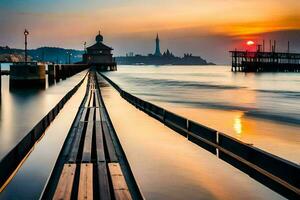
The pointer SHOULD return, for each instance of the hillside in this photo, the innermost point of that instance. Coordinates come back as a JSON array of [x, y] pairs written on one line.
[[48, 54]]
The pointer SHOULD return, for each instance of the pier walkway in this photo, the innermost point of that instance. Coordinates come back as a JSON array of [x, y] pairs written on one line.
[[92, 163]]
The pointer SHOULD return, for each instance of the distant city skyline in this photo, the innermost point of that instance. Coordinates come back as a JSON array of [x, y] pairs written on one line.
[[206, 28]]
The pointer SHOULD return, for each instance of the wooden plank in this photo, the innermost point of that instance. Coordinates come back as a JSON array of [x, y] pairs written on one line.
[[100, 102], [65, 183], [103, 115], [119, 184], [97, 98], [91, 115], [109, 144], [91, 104], [82, 119], [99, 143], [87, 146], [92, 85], [85, 188], [98, 115], [104, 190], [76, 143], [78, 118], [88, 99]]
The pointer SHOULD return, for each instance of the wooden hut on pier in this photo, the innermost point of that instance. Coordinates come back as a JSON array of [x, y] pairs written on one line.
[[100, 56], [257, 61]]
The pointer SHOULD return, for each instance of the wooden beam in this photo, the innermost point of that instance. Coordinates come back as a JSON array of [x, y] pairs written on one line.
[[85, 189], [109, 144], [88, 99], [76, 143], [98, 115], [99, 142], [65, 184], [91, 104], [119, 184], [104, 190], [87, 146], [82, 118]]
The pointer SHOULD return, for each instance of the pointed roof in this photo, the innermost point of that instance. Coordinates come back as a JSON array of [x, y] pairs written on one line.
[[99, 46]]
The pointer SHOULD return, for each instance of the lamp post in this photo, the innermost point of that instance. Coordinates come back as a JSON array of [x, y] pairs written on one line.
[[26, 33]]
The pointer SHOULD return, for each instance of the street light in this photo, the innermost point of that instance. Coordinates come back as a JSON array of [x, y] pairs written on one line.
[[26, 33]]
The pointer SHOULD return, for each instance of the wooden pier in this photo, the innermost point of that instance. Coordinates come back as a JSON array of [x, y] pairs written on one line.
[[92, 164], [257, 61]]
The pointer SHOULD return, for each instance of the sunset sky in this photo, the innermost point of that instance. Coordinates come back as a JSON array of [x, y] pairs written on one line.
[[203, 27]]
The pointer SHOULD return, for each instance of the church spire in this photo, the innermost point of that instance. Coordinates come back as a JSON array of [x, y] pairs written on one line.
[[157, 47]]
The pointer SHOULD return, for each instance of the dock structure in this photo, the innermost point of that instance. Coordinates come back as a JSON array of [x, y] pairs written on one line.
[[27, 74], [92, 163], [257, 61], [33, 74]]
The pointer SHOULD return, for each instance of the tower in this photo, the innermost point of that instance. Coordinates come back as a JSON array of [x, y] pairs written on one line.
[[157, 48]]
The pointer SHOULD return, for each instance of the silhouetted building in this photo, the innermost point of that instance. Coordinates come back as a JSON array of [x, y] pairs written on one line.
[[167, 58], [168, 54], [157, 48], [98, 53]]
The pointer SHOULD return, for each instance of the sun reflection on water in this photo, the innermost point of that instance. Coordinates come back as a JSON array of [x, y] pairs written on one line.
[[237, 125]]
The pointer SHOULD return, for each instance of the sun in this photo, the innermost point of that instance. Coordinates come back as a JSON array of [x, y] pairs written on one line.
[[250, 43]]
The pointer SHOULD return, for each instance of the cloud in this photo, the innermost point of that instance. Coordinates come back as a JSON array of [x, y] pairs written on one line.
[[209, 27]]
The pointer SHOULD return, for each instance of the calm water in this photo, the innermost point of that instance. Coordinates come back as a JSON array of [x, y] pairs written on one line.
[[38, 166], [168, 166], [262, 109], [21, 110]]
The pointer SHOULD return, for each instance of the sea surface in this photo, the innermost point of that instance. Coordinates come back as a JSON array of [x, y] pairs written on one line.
[[21, 110], [262, 109], [168, 166]]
